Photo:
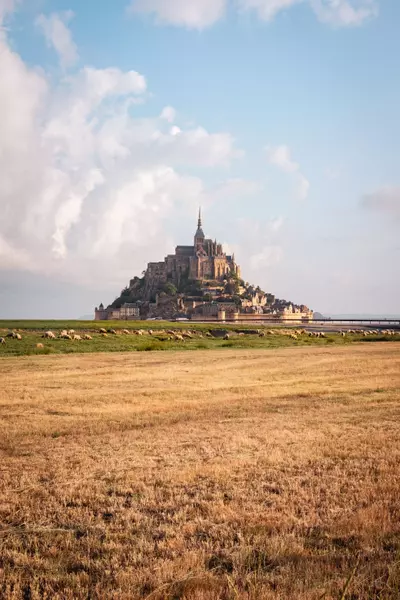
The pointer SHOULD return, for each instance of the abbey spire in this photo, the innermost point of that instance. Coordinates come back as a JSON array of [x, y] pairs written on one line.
[[199, 236]]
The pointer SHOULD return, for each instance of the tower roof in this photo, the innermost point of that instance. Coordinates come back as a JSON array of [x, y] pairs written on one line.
[[199, 232]]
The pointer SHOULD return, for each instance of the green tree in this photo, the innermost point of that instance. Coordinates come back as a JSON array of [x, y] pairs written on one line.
[[170, 289]]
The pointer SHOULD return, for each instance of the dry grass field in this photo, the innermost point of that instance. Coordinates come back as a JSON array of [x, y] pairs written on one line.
[[235, 474]]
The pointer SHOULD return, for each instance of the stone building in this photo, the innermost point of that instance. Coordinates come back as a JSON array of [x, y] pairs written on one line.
[[205, 260]]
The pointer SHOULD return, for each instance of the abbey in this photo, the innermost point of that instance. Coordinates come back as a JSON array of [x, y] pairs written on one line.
[[204, 260], [197, 282]]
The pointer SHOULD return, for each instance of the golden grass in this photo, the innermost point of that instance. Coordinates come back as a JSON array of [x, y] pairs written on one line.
[[207, 475]]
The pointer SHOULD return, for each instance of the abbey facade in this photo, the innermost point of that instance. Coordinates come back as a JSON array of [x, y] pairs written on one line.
[[205, 260]]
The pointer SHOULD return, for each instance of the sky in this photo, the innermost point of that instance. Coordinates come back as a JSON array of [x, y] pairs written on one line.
[[118, 119]]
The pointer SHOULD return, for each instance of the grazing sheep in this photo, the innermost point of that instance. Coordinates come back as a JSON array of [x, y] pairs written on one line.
[[64, 332], [226, 336], [11, 334], [71, 331], [77, 338], [87, 337], [65, 336], [179, 338], [49, 335], [187, 335], [39, 346], [343, 334], [112, 331], [170, 332], [293, 336], [104, 335], [125, 331], [18, 336], [2, 341], [262, 334], [102, 330]]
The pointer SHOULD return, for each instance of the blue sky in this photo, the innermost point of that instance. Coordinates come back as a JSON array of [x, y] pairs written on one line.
[[279, 117]]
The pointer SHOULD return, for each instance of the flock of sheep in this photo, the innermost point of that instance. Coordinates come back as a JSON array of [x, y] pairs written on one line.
[[182, 335]]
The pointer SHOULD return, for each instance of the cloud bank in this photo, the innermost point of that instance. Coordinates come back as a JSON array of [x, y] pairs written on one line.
[[86, 183], [200, 14]]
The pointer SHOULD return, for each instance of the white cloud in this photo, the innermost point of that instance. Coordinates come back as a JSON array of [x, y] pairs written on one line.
[[58, 36], [169, 114], [86, 185], [198, 14], [280, 157], [385, 200], [193, 14], [346, 13]]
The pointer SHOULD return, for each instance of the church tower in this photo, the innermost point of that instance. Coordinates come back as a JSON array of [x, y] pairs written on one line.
[[199, 236]]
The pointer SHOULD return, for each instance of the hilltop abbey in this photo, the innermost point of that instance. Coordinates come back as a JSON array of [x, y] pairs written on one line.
[[199, 282], [204, 260]]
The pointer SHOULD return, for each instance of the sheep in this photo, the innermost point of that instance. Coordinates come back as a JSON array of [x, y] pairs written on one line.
[[49, 335], [11, 334], [102, 330], [71, 331], [65, 336], [179, 338], [112, 331], [2, 341], [187, 335], [18, 336], [87, 337], [262, 334], [125, 331], [293, 336], [104, 335], [343, 334], [39, 346], [226, 336], [63, 332], [77, 338]]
